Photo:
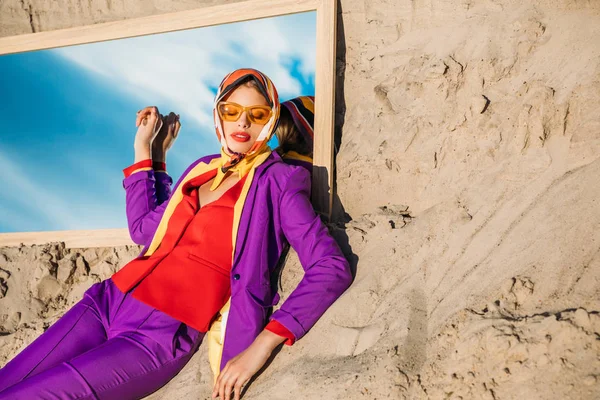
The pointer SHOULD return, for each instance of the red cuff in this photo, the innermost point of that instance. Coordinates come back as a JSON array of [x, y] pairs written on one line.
[[159, 166], [144, 165], [281, 330]]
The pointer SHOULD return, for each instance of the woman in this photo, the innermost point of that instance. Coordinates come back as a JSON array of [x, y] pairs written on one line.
[[132, 333], [295, 135]]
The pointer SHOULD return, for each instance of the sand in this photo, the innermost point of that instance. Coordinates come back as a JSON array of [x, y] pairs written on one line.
[[467, 177]]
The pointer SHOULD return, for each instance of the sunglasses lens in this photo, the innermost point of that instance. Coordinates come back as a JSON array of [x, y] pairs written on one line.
[[260, 115], [229, 112]]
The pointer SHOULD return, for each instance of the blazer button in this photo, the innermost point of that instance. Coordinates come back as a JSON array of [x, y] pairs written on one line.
[[236, 277]]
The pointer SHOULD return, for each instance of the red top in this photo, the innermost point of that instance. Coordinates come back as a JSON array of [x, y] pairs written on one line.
[[188, 276]]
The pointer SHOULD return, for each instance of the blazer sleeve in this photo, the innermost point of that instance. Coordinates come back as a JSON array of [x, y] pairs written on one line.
[[142, 206], [163, 182], [326, 271]]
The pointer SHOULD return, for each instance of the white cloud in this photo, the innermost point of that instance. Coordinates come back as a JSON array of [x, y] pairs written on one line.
[[179, 67], [301, 33]]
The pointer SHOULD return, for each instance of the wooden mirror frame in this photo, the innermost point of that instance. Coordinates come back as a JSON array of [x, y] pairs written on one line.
[[326, 12]]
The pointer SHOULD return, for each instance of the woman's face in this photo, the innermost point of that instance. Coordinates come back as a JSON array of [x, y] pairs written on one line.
[[241, 134]]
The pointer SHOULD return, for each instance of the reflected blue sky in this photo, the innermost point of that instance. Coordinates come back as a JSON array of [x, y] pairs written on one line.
[[68, 115]]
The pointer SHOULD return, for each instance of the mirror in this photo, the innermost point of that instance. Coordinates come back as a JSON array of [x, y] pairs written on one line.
[[68, 109]]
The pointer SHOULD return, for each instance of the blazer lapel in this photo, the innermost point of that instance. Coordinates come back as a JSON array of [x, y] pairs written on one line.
[[241, 235]]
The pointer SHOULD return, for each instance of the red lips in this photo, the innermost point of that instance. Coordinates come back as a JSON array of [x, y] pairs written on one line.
[[240, 136]]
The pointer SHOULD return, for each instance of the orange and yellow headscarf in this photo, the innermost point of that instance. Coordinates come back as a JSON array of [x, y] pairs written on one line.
[[242, 162], [302, 110]]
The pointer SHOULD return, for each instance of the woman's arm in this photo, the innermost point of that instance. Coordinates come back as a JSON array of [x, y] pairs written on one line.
[[326, 271], [146, 190], [141, 205], [327, 275]]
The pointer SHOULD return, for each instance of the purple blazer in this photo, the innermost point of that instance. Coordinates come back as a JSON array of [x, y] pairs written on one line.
[[277, 210]]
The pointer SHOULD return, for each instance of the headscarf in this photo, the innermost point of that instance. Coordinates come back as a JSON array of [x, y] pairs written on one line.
[[302, 110], [243, 162]]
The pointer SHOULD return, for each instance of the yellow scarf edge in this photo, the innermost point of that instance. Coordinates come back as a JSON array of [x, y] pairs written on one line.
[[220, 325]]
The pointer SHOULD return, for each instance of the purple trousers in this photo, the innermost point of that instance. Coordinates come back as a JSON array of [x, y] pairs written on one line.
[[107, 346]]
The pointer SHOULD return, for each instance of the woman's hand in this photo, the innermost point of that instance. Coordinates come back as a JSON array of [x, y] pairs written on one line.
[[242, 367], [165, 137], [149, 122]]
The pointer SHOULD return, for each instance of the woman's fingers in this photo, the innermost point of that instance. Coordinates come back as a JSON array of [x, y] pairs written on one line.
[[228, 390], [141, 115], [223, 386], [230, 382], [217, 387], [230, 386], [154, 111], [222, 390], [146, 112], [235, 385], [238, 388], [163, 129]]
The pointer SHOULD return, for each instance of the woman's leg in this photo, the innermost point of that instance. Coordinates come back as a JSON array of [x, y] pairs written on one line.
[[128, 366], [77, 331]]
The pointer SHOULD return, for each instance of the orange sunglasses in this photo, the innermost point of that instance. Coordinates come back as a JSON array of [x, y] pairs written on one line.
[[231, 112]]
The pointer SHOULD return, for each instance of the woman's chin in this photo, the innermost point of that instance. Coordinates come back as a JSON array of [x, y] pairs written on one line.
[[238, 147]]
